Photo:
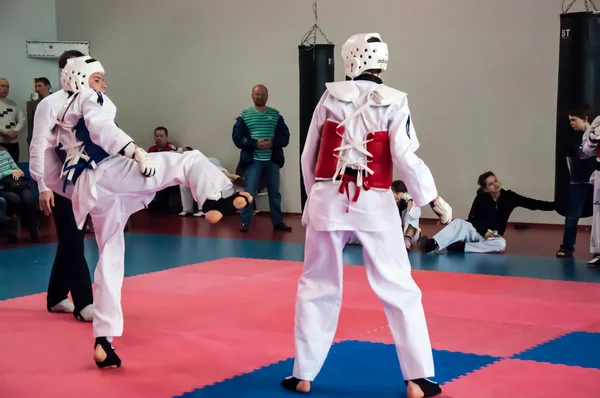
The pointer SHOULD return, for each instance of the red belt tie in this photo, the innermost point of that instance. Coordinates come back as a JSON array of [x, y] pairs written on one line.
[[346, 179]]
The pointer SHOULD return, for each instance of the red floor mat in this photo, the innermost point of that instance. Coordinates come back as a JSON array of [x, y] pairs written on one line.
[[199, 324], [514, 378]]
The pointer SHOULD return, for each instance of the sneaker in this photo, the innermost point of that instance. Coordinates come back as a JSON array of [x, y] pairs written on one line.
[[64, 306], [282, 227]]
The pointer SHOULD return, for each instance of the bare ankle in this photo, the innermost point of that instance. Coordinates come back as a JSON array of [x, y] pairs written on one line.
[[303, 386]]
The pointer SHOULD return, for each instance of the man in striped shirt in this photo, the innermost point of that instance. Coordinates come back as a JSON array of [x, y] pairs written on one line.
[[261, 134]]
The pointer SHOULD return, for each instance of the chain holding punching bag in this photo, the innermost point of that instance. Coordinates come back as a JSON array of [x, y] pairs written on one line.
[[578, 84], [316, 62]]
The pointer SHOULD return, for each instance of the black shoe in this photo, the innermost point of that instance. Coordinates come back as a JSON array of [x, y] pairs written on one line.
[[282, 227], [427, 245], [244, 227], [565, 252]]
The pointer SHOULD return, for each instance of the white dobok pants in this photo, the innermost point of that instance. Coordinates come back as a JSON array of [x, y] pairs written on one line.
[[122, 191], [409, 219], [319, 299], [463, 231]]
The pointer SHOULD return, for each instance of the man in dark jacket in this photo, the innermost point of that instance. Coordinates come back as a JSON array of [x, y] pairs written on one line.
[[484, 229], [261, 134]]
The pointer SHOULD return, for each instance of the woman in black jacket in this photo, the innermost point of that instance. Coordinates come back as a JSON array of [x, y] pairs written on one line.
[[484, 229]]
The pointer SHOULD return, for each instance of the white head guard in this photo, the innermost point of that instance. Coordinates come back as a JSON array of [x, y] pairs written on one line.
[[359, 55], [76, 74]]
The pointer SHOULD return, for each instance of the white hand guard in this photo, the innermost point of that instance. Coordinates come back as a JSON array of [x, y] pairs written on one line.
[[442, 210], [144, 161], [595, 135]]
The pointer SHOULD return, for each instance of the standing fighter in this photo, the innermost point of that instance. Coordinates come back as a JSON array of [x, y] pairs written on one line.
[[361, 129], [107, 176], [70, 272], [589, 148]]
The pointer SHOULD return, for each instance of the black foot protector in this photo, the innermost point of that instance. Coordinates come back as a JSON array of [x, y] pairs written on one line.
[[109, 358], [291, 383], [224, 205], [429, 388]]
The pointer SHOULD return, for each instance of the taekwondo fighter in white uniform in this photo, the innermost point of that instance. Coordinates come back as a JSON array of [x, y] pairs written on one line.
[[360, 129], [589, 148], [109, 177]]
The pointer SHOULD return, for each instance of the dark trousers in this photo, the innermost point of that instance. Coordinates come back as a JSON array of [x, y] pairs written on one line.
[[24, 204], [13, 150], [578, 194], [252, 176], [70, 271]]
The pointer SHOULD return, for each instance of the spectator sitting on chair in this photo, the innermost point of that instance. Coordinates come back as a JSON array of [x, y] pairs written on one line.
[[162, 144], [8, 225], [18, 192], [261, 134], [161, 141], [409, 215]]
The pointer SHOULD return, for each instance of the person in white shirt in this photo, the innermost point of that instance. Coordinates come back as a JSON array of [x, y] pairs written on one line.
[[12, 121], [360, 130], [70, 272], [187, 200]]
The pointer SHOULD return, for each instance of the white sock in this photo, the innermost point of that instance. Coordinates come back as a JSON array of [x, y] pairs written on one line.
[[88, 313]]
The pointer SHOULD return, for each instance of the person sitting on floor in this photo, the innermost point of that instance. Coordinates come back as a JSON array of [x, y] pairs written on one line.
[[484, 229], [409, 214], [187, 201]]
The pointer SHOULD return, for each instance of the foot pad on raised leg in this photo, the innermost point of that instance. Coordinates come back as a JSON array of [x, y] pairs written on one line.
[[104, 354]]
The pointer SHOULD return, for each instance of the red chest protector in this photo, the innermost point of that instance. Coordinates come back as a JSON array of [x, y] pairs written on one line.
[[380, 161]]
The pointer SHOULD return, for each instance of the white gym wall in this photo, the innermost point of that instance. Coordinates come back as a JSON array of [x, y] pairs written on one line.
[[22, 20], [481, 77]]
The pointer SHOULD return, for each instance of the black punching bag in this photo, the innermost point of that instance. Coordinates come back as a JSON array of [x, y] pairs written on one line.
[[578, 84], [316, 68]]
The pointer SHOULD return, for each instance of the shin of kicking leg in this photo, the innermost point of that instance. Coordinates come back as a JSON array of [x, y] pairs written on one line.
[[109, 223], [318, 301], [389, 274]]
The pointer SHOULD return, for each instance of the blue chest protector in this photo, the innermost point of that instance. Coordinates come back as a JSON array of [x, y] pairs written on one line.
[[96, 154]]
